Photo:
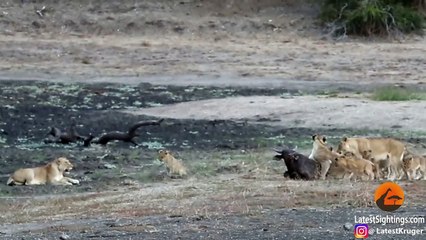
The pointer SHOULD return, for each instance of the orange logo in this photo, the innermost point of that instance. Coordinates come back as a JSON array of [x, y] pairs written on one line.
[[389, 196]]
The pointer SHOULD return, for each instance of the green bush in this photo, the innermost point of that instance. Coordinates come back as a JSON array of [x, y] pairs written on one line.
[[372, 17], [397, 94]]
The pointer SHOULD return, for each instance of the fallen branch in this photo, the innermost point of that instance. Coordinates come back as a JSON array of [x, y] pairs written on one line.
[[56, 136], [122, 136], [337, 26], [41, 11]]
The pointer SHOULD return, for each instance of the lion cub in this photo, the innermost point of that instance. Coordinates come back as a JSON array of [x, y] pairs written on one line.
[[52, 173], [413, 164], [174, 167], [358, 166]]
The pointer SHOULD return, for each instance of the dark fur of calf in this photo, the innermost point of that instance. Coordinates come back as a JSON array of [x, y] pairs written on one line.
[[298, 165]]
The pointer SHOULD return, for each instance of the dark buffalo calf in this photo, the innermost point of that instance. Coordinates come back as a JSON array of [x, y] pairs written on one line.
[[298, 165]]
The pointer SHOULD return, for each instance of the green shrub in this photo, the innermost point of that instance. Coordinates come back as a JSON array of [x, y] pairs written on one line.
[[397, 94], [407, 21], [371, 17]]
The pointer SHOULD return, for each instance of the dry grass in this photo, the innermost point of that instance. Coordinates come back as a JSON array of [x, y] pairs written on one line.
[[227, 194], [258, 186]]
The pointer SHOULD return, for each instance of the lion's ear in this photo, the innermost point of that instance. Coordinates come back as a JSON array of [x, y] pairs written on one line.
[[314, 136], [344, 139], [324, 139]]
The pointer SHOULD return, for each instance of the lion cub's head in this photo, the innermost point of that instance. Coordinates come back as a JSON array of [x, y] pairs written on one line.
[[64, 165], [164, 155], [344, 146], [410, 161], [345, 159]]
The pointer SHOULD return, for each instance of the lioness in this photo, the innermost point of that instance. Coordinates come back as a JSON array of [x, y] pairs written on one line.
[[322, 154], [412, 164], [358, 166], [174, 166], [386, 150], [52, 173]]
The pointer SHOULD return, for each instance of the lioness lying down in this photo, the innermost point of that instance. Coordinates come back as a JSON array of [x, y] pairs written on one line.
[[52, 173], [174, 166]]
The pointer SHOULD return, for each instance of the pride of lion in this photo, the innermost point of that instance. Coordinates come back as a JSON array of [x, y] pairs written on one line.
[[367, 159], [355, 159]]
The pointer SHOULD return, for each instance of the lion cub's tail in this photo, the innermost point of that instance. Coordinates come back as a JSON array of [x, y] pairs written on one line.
[[10, 181]]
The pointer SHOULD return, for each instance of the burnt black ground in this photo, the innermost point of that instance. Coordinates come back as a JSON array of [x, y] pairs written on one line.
[[30, 108]]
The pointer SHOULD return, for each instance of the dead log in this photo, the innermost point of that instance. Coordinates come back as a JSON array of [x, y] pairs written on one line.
[[124, 136], [88, 140], [56, 136]]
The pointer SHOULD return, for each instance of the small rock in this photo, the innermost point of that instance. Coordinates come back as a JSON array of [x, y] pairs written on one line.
[[86, 179], [347, 226], [109, 166], [198, 218], [129, 182], [64, 237]]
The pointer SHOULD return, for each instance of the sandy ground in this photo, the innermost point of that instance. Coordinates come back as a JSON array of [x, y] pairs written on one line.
[[301, 111], [230, 41]]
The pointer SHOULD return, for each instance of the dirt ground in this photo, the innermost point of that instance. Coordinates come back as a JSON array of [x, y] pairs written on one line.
[[233, 79]]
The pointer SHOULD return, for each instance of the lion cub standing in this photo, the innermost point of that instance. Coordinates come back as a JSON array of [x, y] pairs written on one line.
[[52, 173], [174, 166], [358, 166], [412, 164]]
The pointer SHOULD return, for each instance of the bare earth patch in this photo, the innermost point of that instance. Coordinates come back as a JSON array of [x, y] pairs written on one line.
[[301, 111]]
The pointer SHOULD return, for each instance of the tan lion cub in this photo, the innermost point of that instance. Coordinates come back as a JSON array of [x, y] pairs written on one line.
[[174, 166], [358, 166], [51, 173], [413, 164]]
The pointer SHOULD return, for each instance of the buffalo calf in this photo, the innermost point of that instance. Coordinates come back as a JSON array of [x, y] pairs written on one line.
[[298, 165]]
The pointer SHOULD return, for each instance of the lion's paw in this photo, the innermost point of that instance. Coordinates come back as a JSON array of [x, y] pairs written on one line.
[[74, 181]]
